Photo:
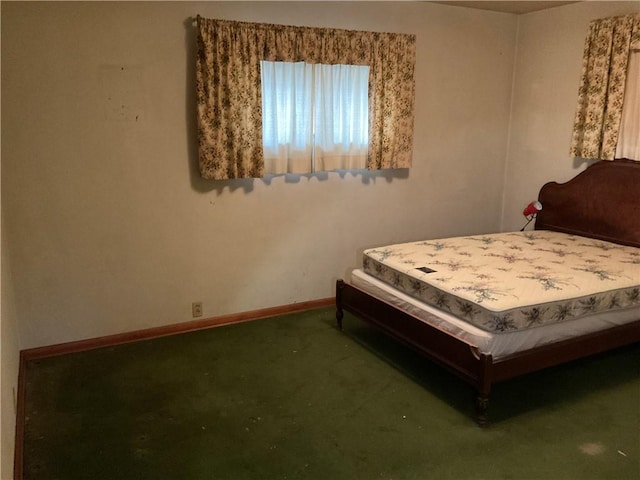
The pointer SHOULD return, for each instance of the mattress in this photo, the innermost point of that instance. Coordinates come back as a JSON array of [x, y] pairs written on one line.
[[515, 280], [498, 345]]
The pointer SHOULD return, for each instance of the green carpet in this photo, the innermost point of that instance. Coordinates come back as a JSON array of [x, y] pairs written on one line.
[[292, 397]]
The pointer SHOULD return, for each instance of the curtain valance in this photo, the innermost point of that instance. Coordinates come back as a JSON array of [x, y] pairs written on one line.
[[229, 93]]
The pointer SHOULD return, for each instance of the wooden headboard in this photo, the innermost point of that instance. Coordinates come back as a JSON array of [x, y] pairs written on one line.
[[601, 202]]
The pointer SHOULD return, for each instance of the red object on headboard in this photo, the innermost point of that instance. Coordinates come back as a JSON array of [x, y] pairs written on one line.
[[602, 202], [532, 209]]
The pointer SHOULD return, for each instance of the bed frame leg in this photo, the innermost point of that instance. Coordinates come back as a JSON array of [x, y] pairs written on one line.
[[482, 402], [485, 380], [339, 311]]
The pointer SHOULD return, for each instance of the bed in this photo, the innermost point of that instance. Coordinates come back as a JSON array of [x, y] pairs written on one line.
[[487, 332]]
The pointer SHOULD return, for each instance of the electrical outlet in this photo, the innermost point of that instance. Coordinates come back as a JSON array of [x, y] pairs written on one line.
[[196, 309]]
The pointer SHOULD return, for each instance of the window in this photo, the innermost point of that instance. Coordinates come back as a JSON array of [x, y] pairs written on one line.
[[229, 75], [315, 117], [606, 59]]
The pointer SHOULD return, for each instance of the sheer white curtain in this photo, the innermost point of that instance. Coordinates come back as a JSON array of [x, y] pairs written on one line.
[[629, 134], [341, 117], [287, 127], [315, 117]]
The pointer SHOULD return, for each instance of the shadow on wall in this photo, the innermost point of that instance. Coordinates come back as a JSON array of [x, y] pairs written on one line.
[[202, 185], [579, 162]]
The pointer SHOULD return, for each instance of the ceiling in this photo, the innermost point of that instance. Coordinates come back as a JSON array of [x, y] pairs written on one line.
[[515, 6]]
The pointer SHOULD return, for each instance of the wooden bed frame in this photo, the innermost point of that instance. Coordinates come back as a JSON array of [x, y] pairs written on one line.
[[602, 202]]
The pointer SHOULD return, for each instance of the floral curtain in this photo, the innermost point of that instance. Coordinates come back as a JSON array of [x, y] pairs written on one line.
[[229, 94], [601, 92]]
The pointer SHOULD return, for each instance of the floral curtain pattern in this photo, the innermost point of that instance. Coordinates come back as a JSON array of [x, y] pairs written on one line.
[[229, 95], [602, 85]]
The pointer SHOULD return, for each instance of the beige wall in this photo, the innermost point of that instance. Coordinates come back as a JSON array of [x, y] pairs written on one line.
[[547, 75], [110, 228]]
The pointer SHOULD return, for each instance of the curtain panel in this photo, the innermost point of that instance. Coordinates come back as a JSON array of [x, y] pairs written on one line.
[[228, 89], [602, 85]]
